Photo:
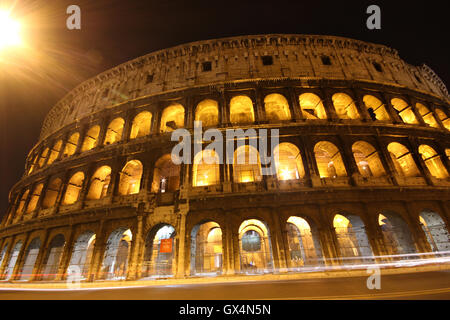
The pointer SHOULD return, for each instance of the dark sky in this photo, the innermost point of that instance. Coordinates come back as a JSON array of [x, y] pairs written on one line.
[[113, 31]]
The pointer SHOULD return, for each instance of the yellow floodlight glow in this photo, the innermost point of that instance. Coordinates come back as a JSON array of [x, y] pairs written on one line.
[[9, 31]]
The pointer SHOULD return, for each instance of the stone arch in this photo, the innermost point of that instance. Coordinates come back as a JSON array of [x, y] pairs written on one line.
[[241, 110], [71, 145], [396, 234], [3, 254], [345, 106], [91, 138], [367, 159], [22, 201], [206, 168], [206, 248], [403, 160], [53, 257], [81, 258], [130, 178], [43, 157], [376, 108], [172, 118], [74, 187], [51, 195], [166, 175], [141, 125], [404, 111], [288, 162], [303, 242], [255, 247], [329, 160], [114, 131], [433, 162], [207, 112], [31, 255], [435, 230], [99, 183], [35, 195], [115, 258], [14, 255], [427, 115], [54, 152], [443, 117], [312, 106], [246, 165], [276, 107], [159, 252]]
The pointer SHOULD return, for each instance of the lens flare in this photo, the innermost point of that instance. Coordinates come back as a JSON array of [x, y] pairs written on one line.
[[9, 31]]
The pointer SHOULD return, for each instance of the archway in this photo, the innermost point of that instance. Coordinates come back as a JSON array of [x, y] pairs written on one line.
[[130, 178], [82, 254], [166, 175], [99, 183], [404, 111], [114, 131], [30, 259], [241, 110], [312, 106], [115, 259], [52, 193], [53, 258], [433, 162], [141, 125], [74, 188], [367, 160], [206, 169], [345, 106], [8, 273], [329, 160], [276, 107], [396, 234], [435, 230], [206, 249], [91, 138], [246, 165], [403, 160], [376, 108], [159, 254], [172, 118], [71, 145], [207, 112], [288, 162], [427, 115]]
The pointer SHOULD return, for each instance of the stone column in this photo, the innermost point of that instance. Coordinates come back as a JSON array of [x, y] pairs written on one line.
[[137, 241], [294, 105], [67, 254], [99, 248], [20, 259], [259, 106], [40, 257], [423, 169], [417, 233], [7, 257], [181, 272]]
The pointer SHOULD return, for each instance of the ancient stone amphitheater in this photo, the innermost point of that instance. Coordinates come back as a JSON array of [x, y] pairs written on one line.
[[362, 170]]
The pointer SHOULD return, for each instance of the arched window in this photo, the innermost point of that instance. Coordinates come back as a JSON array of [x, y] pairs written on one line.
[[241, 110], [206, 249], [130, 178], [288, 162], [376, 108], [433, 162], [23, 199], [99, 183], [396, 234], [427, 115], [53, 258], [367, 160], [43, 157], [141, 125], [73, 188], [114, 131], [115, 259], [329, 160], [52, 193], [71, 145], [246, 165], [404, 111], [90, 140], [206, 169], [166, 175], [172, 118], [207, 112], [277, 108], [435, 230], [444, 118], [35, 195], [403, 160], [312, 106], [159, 252], [54, 152], [345, 106]]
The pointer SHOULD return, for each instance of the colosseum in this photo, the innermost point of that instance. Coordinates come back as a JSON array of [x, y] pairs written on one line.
[[361, 174]]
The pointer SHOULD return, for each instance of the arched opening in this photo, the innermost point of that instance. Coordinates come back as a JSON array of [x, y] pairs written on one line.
[[329, 160], [141, 125], [288, 162], [376, 108], [8, 273], [54, 152], [345, 106], [53, 258], [403, 160], [396, 234], [435, 230], [35, 195], [304, 243], [81, 258], [166, 175], [353, 243], [52, 193], [433, 162], [206, 249], [241, 110], [207, 112], [206, 169], [312, 106], [367, 160], [115, 260], [246, 165], [43, 157], [404, 111], [91, 138], [23, 199], [443, 117], [172, 118], [255, 247], [159, 254], [30, 259], [71, 145], [99, 183], [3, 254], [114, 131], [73, 188], [427, 115], [130, 178], [276, 107], [33, 164]]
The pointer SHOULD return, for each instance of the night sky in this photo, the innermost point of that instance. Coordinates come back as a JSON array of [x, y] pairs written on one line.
[[113, 31]]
